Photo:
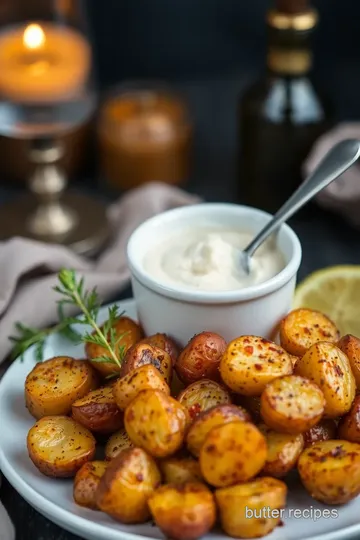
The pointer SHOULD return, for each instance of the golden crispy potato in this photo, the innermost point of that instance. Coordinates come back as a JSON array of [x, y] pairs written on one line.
[[98, 411], [301, 328], [164, 342], [249, 403], [328, 367], [183, 512], [142, 378], [58, 446], [250, 362], [350, 345], [128, 332], [126, 486], [203, 395], [284, 450], [180, 470], [203, 424], [292, 404], [201, 358], [349, 425], [52, 386], [323, 431], [156, 422], [232, 453], [86, 482], [142, 354], [118, 442], [251, 510], [330, 471]]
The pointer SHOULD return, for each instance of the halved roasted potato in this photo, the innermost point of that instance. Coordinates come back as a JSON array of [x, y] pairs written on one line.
[[183, 512], [349, 425], [127, 332], [156, 422], [328, 367], [203, 424], [292, 404], [283, 452], [86, 482], [164, 342], [98, 411], [58, 446], [142, 378], [250, 362], [203, 395], [142, 354], [323, 431], [178, 470], [330, 471], [126, 486], [201, 358], [52, 386], [301, 328], [118, 442], [251, 510], [232, 453], [350, 345]]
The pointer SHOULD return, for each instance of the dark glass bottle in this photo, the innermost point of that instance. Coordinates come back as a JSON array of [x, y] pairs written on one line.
[[282, 114]]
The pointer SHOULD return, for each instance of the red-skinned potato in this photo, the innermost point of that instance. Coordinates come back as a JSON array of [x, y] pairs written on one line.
[[349, 425], [201, 358], [98, 411], [164, 342], [142, 354], [350, 345], [323, 431], [203, 395]]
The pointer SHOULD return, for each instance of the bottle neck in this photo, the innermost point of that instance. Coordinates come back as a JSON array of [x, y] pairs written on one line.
[[289, 62]]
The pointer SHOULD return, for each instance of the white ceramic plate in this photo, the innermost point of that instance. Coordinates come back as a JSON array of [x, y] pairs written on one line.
[[53, 498]]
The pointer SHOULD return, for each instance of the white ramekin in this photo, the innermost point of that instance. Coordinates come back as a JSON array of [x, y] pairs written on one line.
[[181, 312]]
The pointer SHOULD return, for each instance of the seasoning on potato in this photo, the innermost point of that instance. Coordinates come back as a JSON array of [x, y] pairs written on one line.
[[128, 332], [349, 425], [52, 386], [126, 486], [302, 328], [201, 358], [98, 411], [203, 395], [232, 453], [183, 512], [330, 471], [86, 482], [58, 446], [180, 470], [250, 362], [164, 342], [142, 378], [156, 422], [323, 431], [251, 510], [292, 404], [283, 451], [328, 367], [350, 345], [118, 442], [203, 424], [142, 354]]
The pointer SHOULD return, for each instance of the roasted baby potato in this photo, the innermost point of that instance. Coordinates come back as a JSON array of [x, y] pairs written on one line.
[[118, 442], [242, 508], [349, 425], [142, 378], [180, 470], [203, 395], [98, 411], [323, 431], [58, 446], [328, 367], [156, 422], [232, 453], [164, 342], [283, 451], [183, 512], [52, 386], [301, 328], [128, 332], [250, 362], [126, 486], [203, 424], [86, 482], [292, 404], [330, 471], [350, 345], [201, 358], [142, 354]]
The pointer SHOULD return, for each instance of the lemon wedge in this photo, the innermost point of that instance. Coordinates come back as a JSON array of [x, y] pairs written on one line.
[[335, 291]]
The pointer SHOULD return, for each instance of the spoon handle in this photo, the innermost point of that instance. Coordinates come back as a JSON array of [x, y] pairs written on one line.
[[337, 161]]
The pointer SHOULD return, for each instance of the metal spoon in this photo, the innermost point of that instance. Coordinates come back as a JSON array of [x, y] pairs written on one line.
[[342, 156]]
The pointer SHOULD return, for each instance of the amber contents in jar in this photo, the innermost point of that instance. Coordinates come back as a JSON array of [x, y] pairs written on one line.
[[144, 136]]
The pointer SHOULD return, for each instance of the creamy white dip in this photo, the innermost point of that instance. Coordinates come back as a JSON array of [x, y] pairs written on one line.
[[208, 259]]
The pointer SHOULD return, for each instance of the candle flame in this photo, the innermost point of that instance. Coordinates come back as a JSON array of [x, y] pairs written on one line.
[[34, 36]]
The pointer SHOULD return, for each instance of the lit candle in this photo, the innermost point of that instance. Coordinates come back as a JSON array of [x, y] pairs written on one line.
[[42, 63]]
